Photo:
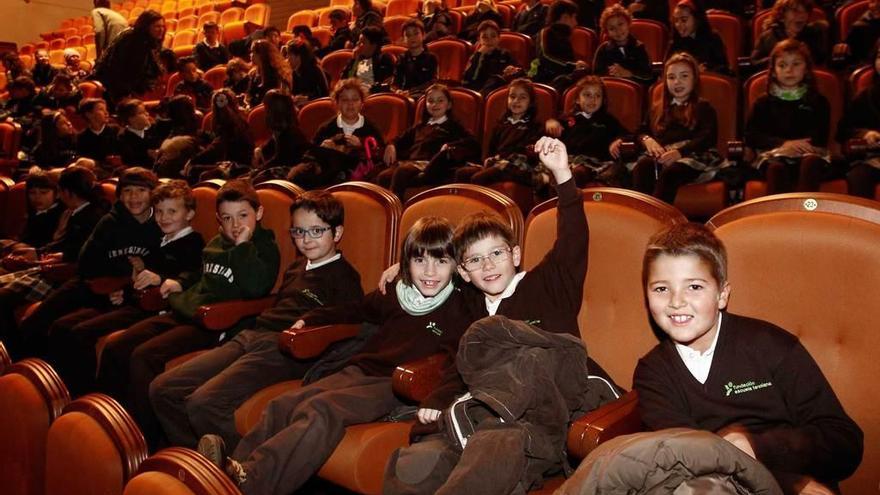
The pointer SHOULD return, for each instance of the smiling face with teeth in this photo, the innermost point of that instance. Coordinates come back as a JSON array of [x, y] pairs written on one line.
[[430, 275], [685, 299]]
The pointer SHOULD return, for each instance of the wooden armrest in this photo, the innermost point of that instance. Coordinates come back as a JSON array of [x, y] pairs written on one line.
[[854, 149], [58, 272], [222, 315], [309, 342], [150, 299], [616, 418], [417, 379], [106, 285]]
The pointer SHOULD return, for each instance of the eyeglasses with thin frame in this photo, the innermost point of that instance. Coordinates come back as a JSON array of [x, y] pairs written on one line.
[[496, 256], [313, 232]]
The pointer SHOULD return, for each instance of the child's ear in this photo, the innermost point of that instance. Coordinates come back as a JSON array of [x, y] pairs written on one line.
[[190, 214], [516, 255], [260, 213], [723, 295], [463, 273], [337, 233]]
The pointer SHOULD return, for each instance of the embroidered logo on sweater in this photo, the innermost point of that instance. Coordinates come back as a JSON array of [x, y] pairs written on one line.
[[533, 323], [432, 326], [311, 295], [741, 388], [128, 251]]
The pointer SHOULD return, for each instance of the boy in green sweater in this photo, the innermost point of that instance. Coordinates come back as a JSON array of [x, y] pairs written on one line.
[[239, 263]]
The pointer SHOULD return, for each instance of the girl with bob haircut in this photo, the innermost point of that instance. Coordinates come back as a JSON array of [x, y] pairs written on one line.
[[621, 55], [788, 127], [679, 145]]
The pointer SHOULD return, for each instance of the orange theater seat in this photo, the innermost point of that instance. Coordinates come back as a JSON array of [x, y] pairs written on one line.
[[730, 28], [302, 18], [216, 76], [32, 395], [520, 46], [98, 441], [15, 214], [314, 114], [394, 27], [334, 63], [390, 112], [584, 42], [496, 105], [402, 8], [452, 55], [625, 101], [257, 122], [179, 471], [654, 35]]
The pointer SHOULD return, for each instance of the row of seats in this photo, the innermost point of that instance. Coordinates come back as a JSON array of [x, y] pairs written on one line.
[[784, 252]]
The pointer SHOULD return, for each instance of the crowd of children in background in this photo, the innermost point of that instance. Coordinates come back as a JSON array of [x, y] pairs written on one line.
[[450, 276], [788, 128]]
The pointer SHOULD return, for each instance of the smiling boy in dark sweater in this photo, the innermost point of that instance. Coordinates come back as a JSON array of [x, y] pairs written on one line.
[[201, 395], [127, 231], [749, 381], [239, 263]]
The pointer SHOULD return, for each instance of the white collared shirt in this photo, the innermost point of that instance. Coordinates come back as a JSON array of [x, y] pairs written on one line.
[[698, 363], [677, 102], [312, 266], [511, 120], [180, 233], [586, 115], [98, 132], [438, 121], [79, 208], [348, 129], [138, 133], [43, 212], [492, 306]]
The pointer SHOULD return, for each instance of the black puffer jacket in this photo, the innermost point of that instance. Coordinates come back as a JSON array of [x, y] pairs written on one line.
[[677, 460]]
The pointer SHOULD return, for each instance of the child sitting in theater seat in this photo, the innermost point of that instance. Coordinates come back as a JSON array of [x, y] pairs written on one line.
[[100, 138], [211, 51], [788, 127], [693, 34], [556, 63], [592, 136], [530, 19], [61, 94], [287, 144], [490, 64], [369, 64], [43, 212], [200, 396], [192, 84], [241, 262], [680, 142], [72, 338], [511, 154], [309, 80], [137, 140], [417, 68], [749, 381], [231, 150], [83, 208], [340, 144], [621, 55], [341, 33], [862, 121], [56, 146], [429, 152]]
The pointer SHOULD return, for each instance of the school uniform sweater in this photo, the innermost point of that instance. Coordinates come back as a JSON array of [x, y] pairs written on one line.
[[530, 20], [331, 129], [862, 36], [208, 56], [245, 271], [181, 259], [310, 81], [381, 65], [862, 115], [236, 147], [98, 146], [415, 71], [302, 290], [509, 138], [70, 235], [549, 295], [402, 337], [116, 237], [482, 66], [702, 137], [591, 136], [40, 226], [340, 37], [632, 57], [813, 34], [774, 121], [709, 51], [134, 149], [285, 149], [423, 141], [763, 379]]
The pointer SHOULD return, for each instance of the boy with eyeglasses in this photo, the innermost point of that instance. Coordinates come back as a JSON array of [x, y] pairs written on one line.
[[201, 395], [547, 296]]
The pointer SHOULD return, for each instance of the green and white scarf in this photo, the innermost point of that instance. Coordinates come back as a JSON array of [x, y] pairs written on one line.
[[414, 303], [788, 94]]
